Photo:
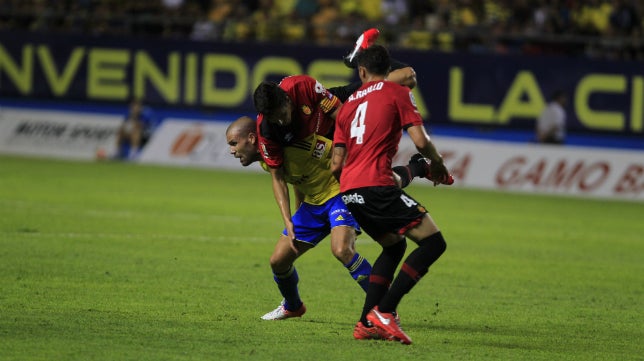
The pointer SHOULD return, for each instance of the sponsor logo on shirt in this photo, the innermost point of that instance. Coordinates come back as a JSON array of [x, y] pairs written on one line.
[[353, 198], [320, 148], [306, 110]]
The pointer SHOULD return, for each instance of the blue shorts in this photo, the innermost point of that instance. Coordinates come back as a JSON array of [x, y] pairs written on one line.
[[312, 223]]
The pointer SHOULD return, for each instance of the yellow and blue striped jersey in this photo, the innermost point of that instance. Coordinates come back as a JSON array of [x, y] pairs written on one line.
[[307, 166]]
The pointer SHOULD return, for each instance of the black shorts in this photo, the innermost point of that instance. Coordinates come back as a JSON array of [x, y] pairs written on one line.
[[381, 210]]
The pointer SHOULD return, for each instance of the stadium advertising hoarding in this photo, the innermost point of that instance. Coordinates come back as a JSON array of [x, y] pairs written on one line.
[[62, 134], [188, 142], [485, 164], [535, 168], [485, 90], [580, 171]]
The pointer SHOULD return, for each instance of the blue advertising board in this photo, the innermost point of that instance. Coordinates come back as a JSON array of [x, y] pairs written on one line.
[[506, 91]]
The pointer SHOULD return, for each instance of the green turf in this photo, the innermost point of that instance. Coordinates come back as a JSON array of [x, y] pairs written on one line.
[[112, 261]]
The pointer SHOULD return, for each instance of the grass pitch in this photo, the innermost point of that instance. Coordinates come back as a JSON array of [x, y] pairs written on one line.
[[113, 261]]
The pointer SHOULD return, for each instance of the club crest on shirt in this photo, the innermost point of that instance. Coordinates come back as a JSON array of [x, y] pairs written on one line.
[[306, 109], [319, 88], [413, 100]]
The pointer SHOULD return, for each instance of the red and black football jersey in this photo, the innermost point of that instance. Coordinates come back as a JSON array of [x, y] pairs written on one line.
[[312, 106], [370, 125]]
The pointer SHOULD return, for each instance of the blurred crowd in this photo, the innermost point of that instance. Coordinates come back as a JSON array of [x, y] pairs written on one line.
[[610, 29]]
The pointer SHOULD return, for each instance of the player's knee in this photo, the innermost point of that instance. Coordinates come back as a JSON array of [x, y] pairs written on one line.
[[274, 262], [397, 250], [436, 242], [443, 246], [343, 243], [343, 252], [279, 264]]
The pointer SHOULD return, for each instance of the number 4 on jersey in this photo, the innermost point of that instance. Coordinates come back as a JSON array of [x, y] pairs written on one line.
[[357, 124]]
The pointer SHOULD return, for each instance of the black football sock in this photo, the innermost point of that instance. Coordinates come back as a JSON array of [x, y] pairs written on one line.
[[411, 171], [287, 284], [413, 269], [382, 272], [418, 169]]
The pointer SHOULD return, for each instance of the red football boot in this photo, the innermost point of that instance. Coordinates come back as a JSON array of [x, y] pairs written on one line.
[[364, 41], [386, 323]]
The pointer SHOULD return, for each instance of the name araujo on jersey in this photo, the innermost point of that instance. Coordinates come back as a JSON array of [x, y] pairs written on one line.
[[361, 93]]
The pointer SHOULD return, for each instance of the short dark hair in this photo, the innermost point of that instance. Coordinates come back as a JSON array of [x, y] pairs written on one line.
[[268, 96], [375, 59]]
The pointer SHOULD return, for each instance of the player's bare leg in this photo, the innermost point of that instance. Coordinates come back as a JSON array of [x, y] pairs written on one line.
[[285, 275], [343, 239]]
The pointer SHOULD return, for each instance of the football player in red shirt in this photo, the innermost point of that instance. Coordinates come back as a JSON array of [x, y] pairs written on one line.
[[296, 116], [241, 136], [368, 130], [289, 112]]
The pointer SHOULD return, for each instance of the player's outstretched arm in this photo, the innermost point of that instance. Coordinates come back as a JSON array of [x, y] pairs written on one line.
[[423, 143]]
